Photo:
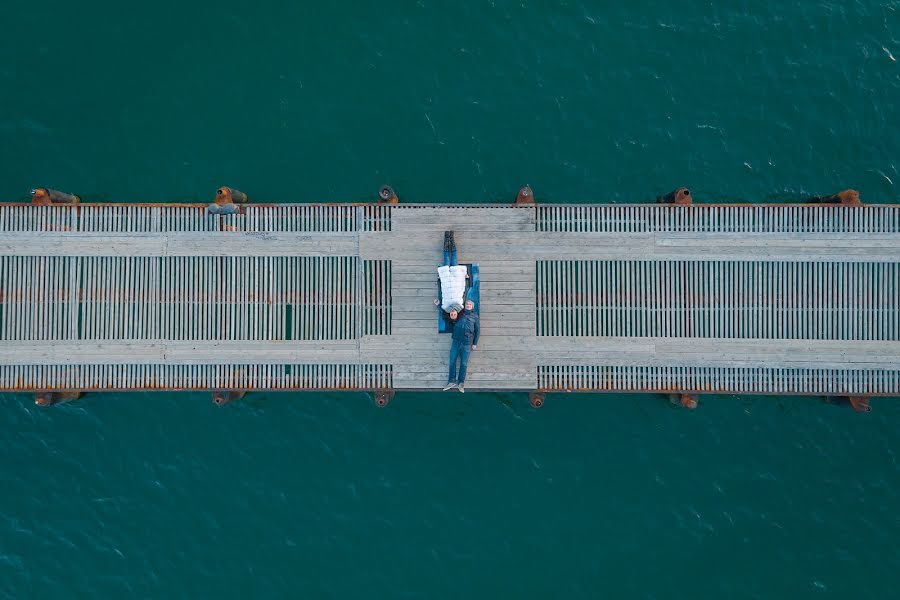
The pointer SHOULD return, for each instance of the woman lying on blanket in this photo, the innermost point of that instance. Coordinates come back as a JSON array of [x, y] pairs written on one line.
[[453, 282]]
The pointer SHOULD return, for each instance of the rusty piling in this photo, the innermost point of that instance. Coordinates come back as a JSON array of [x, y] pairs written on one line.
[[46, 197], [678, 197], [223, 397], [525, 196], [387, 195]]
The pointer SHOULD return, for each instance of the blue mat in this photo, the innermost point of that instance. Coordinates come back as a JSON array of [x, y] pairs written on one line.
[[473, 293]]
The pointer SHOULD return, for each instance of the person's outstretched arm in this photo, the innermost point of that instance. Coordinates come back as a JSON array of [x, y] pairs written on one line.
[[477, 331]]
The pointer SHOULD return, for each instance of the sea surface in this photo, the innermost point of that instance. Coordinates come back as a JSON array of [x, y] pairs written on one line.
[[444, 495]]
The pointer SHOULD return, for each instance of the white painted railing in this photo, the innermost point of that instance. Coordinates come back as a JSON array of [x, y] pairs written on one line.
[[196, 377], [718, 379], [719, 299], [193, 298], [134, 218], [756, 218]]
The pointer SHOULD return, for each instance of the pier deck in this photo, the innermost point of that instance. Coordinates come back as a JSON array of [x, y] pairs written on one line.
[[758, 299]]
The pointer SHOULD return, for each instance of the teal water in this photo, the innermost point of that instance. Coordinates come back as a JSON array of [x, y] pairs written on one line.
[[321, 495]]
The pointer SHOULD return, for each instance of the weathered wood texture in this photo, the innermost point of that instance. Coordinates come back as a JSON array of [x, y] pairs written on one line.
[[769, 299]]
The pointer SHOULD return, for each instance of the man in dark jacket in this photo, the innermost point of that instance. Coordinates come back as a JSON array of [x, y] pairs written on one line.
[[465, 339]]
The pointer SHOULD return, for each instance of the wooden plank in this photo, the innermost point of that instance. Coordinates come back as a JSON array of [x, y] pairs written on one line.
[[490, 327], [438, 226], [504, 279], [178, 244], [73, 352], [400, 293], [425, 283], [545, 246], [403, 267], [489, 285], [178, 352], [422, 313]]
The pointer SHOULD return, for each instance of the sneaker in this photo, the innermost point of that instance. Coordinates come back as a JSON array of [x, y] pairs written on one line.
[[461, 388], [449, 386], [447, 238], [452, 241]]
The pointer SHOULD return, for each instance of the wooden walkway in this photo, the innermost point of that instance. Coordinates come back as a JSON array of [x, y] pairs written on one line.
[[757, 299]]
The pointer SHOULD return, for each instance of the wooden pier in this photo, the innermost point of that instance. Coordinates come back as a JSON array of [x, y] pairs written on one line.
[[779, 299]]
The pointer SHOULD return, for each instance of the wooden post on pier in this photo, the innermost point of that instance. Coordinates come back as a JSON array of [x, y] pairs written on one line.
[[227, 195], [222, 397], [688, 401], [47, 197], [52, 398], [845, 198], [525, 196], [678, 197], [383, 397], [387, 195]]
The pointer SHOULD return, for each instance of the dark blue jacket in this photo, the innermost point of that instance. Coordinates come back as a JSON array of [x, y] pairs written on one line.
[[466, 328]]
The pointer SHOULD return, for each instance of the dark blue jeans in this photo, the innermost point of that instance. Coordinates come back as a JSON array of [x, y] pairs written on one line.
[[450, 258], [461, 351]]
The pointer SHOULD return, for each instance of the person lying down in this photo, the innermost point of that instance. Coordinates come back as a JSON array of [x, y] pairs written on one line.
[[453, 281]]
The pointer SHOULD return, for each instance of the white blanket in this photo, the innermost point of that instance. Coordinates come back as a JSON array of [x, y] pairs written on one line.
[[453, 286]]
